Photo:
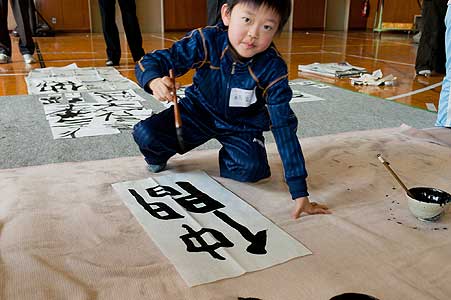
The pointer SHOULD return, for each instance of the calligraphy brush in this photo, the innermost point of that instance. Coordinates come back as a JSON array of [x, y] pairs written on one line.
[[177, 116], [387, 165]]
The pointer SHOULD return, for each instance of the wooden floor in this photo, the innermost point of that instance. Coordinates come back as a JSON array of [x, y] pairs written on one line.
[[393, 53]]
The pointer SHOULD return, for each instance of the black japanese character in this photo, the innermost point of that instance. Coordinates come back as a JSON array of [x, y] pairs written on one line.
[[221, 241], [115, 95], [196, 201], [50, 99], [162, 210], [76, 100], [58, 86], [258, 241], [162, 190], [70, 112]]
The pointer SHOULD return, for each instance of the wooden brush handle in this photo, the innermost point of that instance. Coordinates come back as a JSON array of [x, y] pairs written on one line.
[[178, 118], [387, 166]]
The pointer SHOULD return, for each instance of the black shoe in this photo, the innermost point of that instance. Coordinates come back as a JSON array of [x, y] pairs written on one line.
[[110, 63]]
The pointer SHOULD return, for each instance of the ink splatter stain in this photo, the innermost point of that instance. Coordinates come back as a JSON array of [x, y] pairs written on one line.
[[399, 214], [434, 143]]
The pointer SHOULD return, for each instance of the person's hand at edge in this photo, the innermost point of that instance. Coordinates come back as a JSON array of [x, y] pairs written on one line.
[[303, 204], [162, 88]]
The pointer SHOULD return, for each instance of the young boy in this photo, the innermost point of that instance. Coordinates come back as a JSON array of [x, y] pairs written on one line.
[[240, 89]]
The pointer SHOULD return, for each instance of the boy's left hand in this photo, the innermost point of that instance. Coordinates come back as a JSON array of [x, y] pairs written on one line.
[[303, 204]]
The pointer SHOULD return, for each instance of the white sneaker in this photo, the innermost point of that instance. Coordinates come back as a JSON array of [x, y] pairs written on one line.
[[29, 59], [4, 59], [426, 73]]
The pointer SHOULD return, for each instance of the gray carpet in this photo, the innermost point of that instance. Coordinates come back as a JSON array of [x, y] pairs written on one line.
[[344, 111], [26, 139]]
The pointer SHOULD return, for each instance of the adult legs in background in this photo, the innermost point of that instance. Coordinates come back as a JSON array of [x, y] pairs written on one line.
[[32, 16], [110, 31], [132, 29], [21, 15], [243, 157], [5, 40], [444, 106], [431, 53]]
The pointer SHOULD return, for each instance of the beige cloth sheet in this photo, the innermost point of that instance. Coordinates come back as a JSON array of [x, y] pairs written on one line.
[[65, 234]]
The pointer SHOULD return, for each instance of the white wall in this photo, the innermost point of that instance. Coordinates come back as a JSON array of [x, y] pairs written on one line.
[[337, 14], [149, 15]]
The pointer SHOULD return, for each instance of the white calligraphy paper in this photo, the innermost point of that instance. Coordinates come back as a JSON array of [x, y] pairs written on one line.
[[73, 79], [117, 95], [206, 231], [304, 97], [74, 120]]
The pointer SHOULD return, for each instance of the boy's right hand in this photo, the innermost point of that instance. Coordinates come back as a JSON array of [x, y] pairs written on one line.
[[303, 204], [162, 88]]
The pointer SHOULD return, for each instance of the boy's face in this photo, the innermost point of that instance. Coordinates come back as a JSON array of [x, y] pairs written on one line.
[[251, 29]]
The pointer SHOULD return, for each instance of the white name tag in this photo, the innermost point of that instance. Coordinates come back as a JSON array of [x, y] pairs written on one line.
[[242, 98]]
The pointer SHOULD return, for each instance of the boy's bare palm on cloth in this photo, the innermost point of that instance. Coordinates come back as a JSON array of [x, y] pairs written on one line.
[[303, 204]]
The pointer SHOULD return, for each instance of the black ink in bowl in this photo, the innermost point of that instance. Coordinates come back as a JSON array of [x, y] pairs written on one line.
[[427, 204], [353, 296], [430, 195]]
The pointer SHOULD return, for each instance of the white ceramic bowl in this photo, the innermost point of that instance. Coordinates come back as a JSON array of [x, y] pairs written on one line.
[[428, 204]]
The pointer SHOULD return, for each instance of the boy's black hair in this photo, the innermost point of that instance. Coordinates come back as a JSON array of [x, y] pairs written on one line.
[[281, 7]]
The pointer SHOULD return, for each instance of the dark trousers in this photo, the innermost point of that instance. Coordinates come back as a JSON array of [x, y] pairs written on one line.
[[431, 50], [214, 11], [131, 27], [21, 15], [242, 156]]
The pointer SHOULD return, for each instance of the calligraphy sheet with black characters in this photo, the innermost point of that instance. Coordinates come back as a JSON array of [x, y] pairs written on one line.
[[72, 115], [207, 232], [71, 79], [300, 96], [302, 82]]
